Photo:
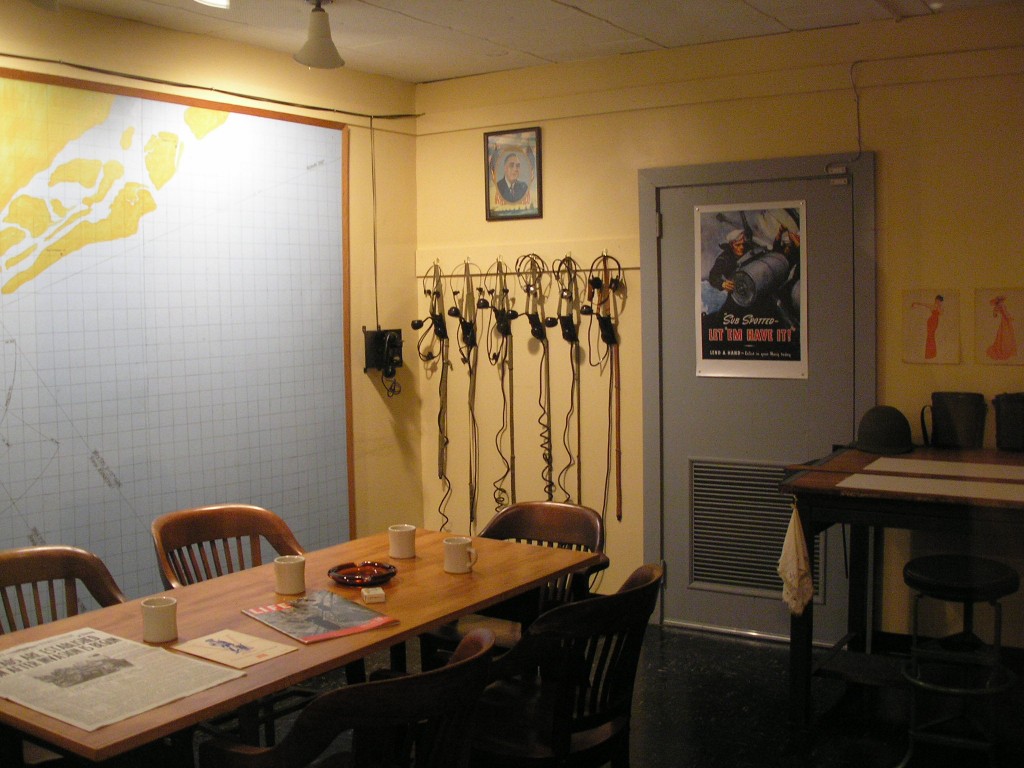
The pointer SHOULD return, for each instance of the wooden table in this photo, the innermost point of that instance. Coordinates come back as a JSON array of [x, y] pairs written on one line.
[[421, 596], [927, 489]]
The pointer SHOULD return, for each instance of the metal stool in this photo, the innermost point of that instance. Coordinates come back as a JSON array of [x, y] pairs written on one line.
[[959, 670]]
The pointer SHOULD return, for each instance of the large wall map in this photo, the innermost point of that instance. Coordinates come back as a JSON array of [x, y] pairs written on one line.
[[171, 312]]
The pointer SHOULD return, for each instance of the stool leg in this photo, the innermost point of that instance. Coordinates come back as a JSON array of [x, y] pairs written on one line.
[[968, 619], [915, 671]]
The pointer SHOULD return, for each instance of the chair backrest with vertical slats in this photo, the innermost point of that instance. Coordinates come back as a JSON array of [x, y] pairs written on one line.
[[589, 652], [577, 710], [194, 545], [418, 721], [40, 584], [552, 524]]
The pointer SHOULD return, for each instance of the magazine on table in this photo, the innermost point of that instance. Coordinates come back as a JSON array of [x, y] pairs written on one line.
[[234, 649], [319, 615]]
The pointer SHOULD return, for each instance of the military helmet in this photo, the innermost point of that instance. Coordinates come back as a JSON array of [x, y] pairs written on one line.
[[884, 429]]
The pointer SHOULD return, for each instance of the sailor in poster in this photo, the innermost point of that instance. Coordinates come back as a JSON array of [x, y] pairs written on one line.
[[750, 284]]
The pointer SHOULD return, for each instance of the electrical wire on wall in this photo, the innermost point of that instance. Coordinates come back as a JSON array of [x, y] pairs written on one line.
[[606, 288], [432, 348], [532, 272], [570, 282], [464, 308], [500, 355]]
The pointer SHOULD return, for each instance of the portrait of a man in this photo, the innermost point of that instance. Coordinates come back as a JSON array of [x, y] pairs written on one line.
[[510, 187], [512, 174]]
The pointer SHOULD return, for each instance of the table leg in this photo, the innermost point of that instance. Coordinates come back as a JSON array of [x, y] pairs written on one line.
[[857, 600], [801, 630], [399, 663], [10, 746]]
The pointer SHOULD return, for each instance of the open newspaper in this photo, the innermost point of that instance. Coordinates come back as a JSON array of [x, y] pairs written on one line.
[[89, 678]]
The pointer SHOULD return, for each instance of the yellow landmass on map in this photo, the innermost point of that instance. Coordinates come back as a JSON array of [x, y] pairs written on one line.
[[9, 238], [113, 172], [27, 212], [36, 123], [202, 121], [132, 203], [163, 151]]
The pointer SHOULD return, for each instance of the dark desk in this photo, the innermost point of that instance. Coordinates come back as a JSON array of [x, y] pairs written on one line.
[[927, 489]]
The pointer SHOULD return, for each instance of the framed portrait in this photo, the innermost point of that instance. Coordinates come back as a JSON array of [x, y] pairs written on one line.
[[512, 174]]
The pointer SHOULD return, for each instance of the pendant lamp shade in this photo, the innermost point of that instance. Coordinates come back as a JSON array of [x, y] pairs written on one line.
[[319, 50]]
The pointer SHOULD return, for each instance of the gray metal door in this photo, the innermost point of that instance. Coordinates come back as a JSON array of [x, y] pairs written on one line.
[[716, 446]]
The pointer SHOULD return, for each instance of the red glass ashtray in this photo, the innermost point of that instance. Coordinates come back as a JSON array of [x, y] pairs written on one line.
[[366, 574]]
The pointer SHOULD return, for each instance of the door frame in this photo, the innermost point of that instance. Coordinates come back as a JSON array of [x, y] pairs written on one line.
[[845, 168]]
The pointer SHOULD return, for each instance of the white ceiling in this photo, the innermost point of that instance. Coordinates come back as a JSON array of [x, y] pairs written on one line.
[[425, 40]]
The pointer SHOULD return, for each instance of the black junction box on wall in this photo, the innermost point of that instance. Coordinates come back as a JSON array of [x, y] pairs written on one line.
[[383, 350]]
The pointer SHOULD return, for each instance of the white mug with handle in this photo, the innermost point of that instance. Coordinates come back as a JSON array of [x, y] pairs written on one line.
[[459, 555]]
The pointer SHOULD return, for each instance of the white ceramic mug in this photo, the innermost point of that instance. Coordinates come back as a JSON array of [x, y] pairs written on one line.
[[290, 574], [459, 555], [402, 541], [159, 619]]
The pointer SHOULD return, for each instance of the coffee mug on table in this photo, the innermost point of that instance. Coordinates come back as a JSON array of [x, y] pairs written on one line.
[[958, 420], [290, 574], [159, 619], [402, 541], [459, 555]]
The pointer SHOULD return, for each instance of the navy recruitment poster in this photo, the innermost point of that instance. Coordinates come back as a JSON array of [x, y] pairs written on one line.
[[750, 266]]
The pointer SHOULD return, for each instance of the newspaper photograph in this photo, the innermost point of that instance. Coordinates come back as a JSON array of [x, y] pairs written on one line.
[[89, 678]]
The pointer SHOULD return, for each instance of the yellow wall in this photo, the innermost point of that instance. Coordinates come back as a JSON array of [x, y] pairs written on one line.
[[940, 105], [940, 102]]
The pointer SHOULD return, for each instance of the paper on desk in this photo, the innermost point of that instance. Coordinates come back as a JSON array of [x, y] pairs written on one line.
[[795, 567], [89, 678], [235, 649]]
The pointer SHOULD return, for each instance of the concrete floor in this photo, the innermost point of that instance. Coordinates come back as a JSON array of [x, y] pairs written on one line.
[[707, 701]]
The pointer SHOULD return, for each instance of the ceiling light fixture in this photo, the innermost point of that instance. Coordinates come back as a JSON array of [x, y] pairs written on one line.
[[319, 50], [215, 3]]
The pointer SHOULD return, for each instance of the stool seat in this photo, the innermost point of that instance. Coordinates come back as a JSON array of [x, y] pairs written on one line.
[[961, 578]]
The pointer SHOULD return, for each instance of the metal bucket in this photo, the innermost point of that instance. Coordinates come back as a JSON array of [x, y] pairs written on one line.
[[1009, 421]]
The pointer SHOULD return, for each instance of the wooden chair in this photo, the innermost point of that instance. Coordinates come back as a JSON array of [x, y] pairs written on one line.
[[576, 711], [39, 585], [194, 545], [201, 543], [544, 523], [415, 721]]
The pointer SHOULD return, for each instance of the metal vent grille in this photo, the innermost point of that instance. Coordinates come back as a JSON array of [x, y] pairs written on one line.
[[739, 525]]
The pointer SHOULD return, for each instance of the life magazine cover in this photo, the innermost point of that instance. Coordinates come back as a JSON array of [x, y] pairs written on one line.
[[318, 616]]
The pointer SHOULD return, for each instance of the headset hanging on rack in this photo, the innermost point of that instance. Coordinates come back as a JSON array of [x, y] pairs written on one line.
[[432, 347], [606, 289], [570, 282], [531, 271], [500, 354], [464, 307]]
